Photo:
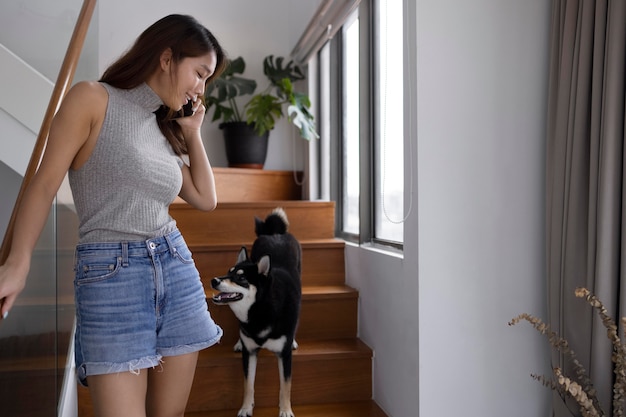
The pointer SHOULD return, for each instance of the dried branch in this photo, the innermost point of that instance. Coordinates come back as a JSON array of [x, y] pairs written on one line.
[[582, 390]]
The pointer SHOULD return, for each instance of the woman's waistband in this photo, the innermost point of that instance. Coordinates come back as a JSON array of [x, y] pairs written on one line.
[[159, 244]]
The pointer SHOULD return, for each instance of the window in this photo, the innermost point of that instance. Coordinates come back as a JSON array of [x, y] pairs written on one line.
[[362, 75], [389, 152], [350, 151]]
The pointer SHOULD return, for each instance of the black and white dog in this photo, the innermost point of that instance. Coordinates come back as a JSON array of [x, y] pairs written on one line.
[[264, 291]]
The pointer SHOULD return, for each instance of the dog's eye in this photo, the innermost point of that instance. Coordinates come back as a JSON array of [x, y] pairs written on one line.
[[241, 281]]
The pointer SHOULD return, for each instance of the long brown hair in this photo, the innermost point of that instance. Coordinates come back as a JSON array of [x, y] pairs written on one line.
[[186, 37]]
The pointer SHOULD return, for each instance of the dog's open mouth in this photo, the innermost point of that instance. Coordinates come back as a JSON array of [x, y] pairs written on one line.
[[227, 297]]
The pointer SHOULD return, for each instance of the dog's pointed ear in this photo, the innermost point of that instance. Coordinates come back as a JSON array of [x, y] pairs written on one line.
[[243, 255], [264, 265]]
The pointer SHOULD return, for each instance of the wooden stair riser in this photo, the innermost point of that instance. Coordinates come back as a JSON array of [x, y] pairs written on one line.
[[334, 318], [343, 409], [240, 184], [321, 264], [234, 222], [220, 385]]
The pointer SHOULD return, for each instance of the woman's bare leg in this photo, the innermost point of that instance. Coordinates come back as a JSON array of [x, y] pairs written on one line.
[[169, 386], [121, 394]]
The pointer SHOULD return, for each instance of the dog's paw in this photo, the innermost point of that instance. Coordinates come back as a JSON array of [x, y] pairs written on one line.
[[245, 412], [294, 345], [238, 347], [286, 413]]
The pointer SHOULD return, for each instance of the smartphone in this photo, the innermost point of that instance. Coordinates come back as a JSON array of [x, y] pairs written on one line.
[[187, 111]]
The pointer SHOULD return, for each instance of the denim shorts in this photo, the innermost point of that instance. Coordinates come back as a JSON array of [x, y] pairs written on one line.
[[137, 302]]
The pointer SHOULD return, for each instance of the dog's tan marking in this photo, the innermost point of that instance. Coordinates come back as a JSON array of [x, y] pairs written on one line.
[[285, 393], [248, 389]]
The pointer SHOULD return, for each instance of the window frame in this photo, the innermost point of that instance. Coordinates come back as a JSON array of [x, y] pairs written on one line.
[[376, 174], [369, 140]]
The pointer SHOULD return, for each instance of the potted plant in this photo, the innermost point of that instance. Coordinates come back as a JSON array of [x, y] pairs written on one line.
[[246, 129]]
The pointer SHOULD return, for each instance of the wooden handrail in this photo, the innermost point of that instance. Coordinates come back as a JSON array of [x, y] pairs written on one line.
[[64, 82]]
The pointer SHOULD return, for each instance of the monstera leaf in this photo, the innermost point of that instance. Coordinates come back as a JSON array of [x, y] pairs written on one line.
[[300, 116], [223, 91], [275, 72]]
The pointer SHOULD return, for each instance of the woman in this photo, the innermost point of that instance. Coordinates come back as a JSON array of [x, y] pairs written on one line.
[[140, 305]]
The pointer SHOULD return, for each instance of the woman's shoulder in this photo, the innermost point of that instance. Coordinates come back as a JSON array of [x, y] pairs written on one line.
[[90, 90], [86, 97]]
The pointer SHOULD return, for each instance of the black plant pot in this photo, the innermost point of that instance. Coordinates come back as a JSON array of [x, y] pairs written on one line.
[[244, 148]]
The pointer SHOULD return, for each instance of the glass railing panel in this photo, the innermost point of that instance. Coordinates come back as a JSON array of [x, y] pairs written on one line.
[[29, 372], [35, 339]]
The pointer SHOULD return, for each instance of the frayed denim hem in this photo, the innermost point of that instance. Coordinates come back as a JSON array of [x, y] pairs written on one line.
[[194, 347], [102, 368]]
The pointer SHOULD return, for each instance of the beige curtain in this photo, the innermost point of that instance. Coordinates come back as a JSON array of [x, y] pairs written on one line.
[[586, 187]]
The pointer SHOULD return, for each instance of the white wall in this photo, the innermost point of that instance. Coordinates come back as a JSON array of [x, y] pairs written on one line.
[[38, 31], [252, 29], [20, 119], [474, 250]]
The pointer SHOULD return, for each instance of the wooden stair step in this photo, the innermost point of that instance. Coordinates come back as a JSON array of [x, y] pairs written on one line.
[[309, 350], [234, 222], [351, 409], [324, 371], [327, 312], [322, 260]]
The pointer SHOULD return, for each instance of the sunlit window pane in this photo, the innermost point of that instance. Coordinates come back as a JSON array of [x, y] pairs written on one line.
[[389, 196], [350, 151]]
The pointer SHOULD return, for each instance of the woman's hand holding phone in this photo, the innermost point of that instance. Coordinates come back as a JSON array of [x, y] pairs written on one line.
[[192, 116]]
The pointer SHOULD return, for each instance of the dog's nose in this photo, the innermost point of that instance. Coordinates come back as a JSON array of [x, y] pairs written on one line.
[[215, 282]]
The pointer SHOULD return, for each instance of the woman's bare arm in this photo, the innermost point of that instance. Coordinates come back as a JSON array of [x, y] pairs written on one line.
[[198, 182], [69, 132]]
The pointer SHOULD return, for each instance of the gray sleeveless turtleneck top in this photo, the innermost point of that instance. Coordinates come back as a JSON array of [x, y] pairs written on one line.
[[123, 191]]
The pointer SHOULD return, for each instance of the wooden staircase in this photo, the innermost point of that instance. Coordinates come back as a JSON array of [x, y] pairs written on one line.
[[332, 368]]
